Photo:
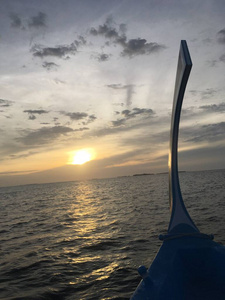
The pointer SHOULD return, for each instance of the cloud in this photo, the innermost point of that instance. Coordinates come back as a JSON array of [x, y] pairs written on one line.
[[137, 111], [102, 57], [221, 36], [36, 111], [44, 135], [119, 122], [16, 21], [106, 30], [38, 21], [76, 116], [214, 107], [131, 47], [140, 47], [16, 172], [5, 103], [130, 114], [222, 58], [81, 41], [207, 93], [33, 112], [129, 88], [90, 119], [59, 51], [49, 65], [210, 133]]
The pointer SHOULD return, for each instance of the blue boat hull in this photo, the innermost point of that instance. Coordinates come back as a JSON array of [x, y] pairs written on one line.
[[185, 268]]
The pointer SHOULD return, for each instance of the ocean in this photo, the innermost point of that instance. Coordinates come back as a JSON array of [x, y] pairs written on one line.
[[85, 240]]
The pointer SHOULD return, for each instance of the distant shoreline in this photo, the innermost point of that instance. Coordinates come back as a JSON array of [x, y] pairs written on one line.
[[161, 173]]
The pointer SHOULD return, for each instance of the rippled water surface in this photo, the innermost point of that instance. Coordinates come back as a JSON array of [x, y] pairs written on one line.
[[85, 240]]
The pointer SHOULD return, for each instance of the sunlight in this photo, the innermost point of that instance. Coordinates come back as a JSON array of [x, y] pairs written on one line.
[[82, 156]]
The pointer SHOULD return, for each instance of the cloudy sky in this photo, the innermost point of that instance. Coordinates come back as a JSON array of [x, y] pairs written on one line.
[[99, 75]]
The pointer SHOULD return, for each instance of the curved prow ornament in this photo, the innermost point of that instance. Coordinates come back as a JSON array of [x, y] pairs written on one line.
[[180, 222]]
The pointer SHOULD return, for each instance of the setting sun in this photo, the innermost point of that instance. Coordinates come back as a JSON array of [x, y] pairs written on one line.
[[81, 156]]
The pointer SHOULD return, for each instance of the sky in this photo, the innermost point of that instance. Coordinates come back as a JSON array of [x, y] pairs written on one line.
[[99, 75]]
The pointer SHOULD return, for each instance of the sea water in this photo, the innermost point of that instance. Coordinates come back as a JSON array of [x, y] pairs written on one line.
[[85, 240]]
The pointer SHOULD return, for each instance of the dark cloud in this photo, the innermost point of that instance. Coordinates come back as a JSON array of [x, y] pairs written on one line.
[[81, 41], [38, 21], [101, 57], [130, 114], [131, 47], [107, 30], [33, 112], [117, 86], [139, 47], [119, 122], [221, 36], [90, 119], [36, 111], [222, 58], [32, 117], [44, 135], [16, 21], [75, 116], [137, 111], [214, 107], [61, 51], [5, 103], [49, 65]]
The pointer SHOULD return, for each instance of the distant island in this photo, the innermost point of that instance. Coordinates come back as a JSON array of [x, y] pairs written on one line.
[[144, 174], [160, 173]]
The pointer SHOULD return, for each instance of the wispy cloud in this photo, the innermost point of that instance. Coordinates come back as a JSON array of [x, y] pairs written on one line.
[[214, 107], [16, 21], [210, 133], [16, 172], [5, 103], [128, 87], [221, 36], [38, 21], [44, 135], [206, 94], [222, 58]]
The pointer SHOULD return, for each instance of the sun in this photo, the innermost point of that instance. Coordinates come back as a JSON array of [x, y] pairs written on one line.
[[82, 156]]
